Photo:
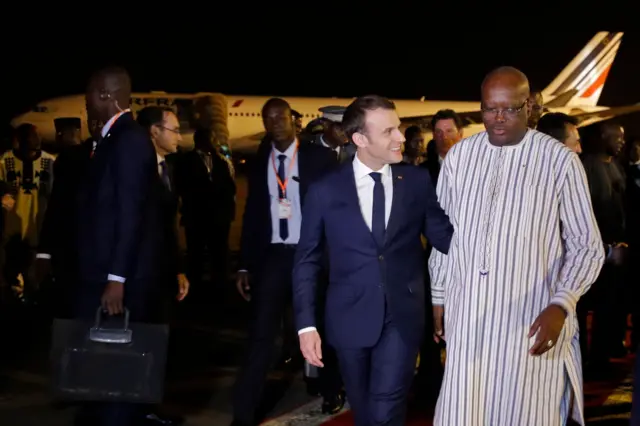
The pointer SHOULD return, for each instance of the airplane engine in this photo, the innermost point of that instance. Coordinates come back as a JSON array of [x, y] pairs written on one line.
[[212, 112]]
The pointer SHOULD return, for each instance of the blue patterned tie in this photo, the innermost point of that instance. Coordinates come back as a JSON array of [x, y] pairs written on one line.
[[284, 223], [165, 175], [377, 222]]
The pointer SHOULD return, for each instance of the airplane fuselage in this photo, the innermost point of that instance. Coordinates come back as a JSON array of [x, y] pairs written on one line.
[[243, 115]]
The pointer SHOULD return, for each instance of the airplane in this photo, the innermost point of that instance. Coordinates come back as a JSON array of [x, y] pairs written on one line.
[[238, 124]]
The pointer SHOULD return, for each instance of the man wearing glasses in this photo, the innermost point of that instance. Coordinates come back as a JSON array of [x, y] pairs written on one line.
[[526, 248]]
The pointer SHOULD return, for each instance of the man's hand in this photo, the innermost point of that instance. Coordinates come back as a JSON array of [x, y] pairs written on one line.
[[183, 287], [548, 326], [112, 298], [8, 202], [242, 284], [311, 347], [438, 323]]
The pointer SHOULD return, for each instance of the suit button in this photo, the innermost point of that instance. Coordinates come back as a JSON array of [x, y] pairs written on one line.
[[381, 257]]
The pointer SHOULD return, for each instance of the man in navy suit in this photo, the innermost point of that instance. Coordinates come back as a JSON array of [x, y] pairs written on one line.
[[120, 227], [369, 215], [277, 185]]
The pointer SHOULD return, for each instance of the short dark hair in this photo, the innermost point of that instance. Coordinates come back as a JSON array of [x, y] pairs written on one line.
[[411, 131], [554, 125], [275, 103], [151, 115], [354, 118], [446, 114]]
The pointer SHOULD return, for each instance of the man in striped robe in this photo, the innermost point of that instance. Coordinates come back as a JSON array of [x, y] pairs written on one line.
[[526, 247]]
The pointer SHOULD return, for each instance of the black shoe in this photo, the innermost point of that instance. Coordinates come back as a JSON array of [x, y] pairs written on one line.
[[333, 404]]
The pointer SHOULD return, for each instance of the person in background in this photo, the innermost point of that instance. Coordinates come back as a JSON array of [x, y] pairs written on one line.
[[57, 251], [298, 121], [205, 182], [562, 127], [414, 146], [536, 103], [448, 130], [277, 187], [332, 136], [603, 145], [163, 128], [28, 173]]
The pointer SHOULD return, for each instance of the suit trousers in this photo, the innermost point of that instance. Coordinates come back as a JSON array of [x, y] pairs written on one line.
[[377, 379], [271, 292]]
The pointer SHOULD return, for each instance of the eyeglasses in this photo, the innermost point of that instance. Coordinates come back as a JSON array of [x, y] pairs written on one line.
[[507, 112], [176, 131]]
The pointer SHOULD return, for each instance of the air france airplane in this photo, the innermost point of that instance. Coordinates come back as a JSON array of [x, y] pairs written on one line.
[[575, 91]]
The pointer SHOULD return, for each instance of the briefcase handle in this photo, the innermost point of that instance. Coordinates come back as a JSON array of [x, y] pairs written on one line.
[[110, 335]]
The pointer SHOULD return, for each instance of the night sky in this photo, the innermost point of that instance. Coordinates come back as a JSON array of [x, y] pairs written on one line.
[[409, 66]]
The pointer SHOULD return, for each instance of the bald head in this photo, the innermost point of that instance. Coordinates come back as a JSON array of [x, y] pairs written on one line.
[[507, 78], [505, 105], [108, 92]]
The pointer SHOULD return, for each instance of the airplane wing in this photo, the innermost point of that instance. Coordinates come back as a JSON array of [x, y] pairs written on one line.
[[587, 118]]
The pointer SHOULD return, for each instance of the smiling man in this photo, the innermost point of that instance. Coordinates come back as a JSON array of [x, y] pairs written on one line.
[[369, 216], [526, 248]]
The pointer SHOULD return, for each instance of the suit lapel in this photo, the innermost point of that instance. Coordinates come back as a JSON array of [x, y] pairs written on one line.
[[352, 199], [397, 204], [305, 162]]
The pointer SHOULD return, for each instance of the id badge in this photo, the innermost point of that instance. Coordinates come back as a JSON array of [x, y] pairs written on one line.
[[284, 209]]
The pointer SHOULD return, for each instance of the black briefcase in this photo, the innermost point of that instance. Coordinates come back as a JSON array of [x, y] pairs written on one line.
[[94, 363]]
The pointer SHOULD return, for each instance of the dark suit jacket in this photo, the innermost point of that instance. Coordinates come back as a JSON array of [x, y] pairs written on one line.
[[313, 162], [205, 199], [362, 275], [58, 234], [120, 228]]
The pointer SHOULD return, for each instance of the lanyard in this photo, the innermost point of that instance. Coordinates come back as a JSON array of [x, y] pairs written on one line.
[[283, 185]]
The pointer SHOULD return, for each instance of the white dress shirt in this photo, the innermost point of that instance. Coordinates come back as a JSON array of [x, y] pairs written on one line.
[[293, 195], [364, 186], [336, 149]]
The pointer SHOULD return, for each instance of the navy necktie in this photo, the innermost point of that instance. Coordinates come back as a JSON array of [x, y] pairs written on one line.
[[377, 221], [284, 223], [165, 175]]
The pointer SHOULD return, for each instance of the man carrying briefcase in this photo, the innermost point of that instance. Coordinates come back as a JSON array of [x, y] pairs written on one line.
[[122, 245]]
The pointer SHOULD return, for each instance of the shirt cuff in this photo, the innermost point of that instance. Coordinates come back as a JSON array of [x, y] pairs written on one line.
[[116, 278], [306, 330], [437, 296], [43, 256], [566, 301]]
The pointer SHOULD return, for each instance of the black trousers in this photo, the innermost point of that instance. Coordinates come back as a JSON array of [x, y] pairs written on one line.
[[605, 299]]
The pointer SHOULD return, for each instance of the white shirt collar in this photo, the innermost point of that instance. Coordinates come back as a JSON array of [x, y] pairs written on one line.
[[361, 170], [336, 149], [160, 158], [289, 152], [108, 124]]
